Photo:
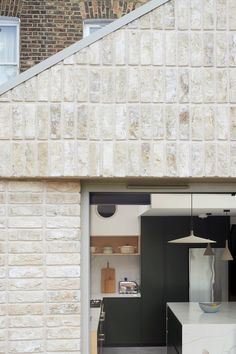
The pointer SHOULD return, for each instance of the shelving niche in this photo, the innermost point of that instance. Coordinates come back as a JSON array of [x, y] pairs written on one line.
[[115, 242]]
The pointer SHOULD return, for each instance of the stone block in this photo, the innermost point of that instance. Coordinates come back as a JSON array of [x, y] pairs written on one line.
[[183, 89], [197, 159], [26, 296], [63, 309], [55, 121], [221, 85], [81, 83], [157, 47], [232, 122], [221, 14], [69, 158], [25, 309], [183, 14], [171, 122], [63, 333], [63, 321], [25, 321], [63, 345], [233, 159], [183, 48], [25, 259], [42, 121], [232, 14], [95, 84], [222, 156], [25, 235], [58, 259], [5, 157], [63, 235], [81, 57], [94, 162], [43, 86], [146, 47], [157, 18], [209, 85], [26, 284], [25, 210], [25, 334], [63, 247], [184, 159], [26, 247], [158, 85], [18, 121], [26, 272], [63, 296], [94, 53], [222, 123], [107, 85], [120, 159], [158, 124], [120, 84], [209, 122], [56, 83], [32, 346], [133, 84], [107, 159], [120, 46], [133, 159], [68, 120], [195, 14], [145, 122], [65, 198], [145, 159], [169, 15], [134, 47], [146, 84], [197, 122], [208, 14], [56, 153], [232, 49], [232, 85], [170, 48], [171, 159], [25, 186], [62, 187], [196, 85], [5, 121], [221, 49], [107, 50], [171, 85], [210, 159], [208, 49], [133, 122], [120, 122], [63, 284], [196, 49], [157, 164], [107, 122]]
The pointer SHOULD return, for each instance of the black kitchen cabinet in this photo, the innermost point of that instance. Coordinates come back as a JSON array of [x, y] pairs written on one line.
[[165, 267], [122, 323]]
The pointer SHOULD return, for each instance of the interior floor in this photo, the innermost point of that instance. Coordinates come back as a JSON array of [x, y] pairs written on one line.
[[136, 350]]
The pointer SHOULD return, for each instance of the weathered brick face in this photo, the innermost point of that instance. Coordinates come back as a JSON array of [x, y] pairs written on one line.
[[40, 267], [48, 26]]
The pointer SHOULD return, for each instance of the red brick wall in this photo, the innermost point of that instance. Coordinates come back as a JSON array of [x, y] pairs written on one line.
[[48, 26]]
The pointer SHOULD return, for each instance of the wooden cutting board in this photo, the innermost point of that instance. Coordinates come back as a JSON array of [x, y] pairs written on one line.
[[108, 280]]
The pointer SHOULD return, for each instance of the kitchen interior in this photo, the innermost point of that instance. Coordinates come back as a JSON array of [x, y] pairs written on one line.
[[150, 254]]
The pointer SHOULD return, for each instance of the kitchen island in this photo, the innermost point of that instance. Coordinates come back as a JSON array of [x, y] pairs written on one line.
[[191, 331]]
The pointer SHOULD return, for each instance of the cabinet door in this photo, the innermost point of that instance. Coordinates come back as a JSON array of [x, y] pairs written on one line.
[[122, 324]]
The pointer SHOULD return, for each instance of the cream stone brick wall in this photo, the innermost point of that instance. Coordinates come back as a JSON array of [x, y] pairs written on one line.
[[40, 267], [155, 98]]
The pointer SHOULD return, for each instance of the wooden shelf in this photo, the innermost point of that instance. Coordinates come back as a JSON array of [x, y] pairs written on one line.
[[115, 254], [115, 242]]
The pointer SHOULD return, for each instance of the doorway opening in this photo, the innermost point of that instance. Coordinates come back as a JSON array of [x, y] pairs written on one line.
[[123, 317]]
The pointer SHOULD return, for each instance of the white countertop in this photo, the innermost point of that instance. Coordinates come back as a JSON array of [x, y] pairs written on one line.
[[189, 313], [94, 318]]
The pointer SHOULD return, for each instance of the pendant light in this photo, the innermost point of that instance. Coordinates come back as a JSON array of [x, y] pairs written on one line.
[[226, 255], [208, 251], [192, 238]]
